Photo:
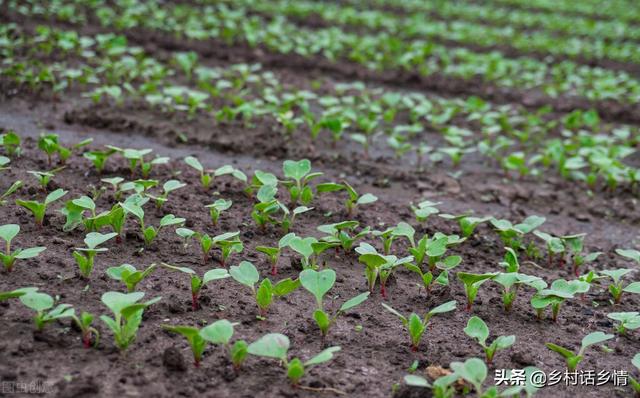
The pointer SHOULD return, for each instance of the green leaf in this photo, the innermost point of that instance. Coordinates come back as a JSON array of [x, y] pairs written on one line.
[[354, 302], [29, 253], [318, 283], [9, 231], [286, 286], [219, 332], [633, 287], [630, 254], [366, 199], [195, 163], [560, 350], [416, 381], [170, 219], [595, 338], [37, 301], [55, 195], [245, 273], [117, 301], [264, 294], [324, 356], [477, 329], [442, 308], [296, 170], [214, 274], [94, 239], [85, 202], [272, 345], [472, 370]]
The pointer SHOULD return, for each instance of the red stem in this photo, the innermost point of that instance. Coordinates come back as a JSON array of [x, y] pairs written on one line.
[[194, 301], [274, 269]]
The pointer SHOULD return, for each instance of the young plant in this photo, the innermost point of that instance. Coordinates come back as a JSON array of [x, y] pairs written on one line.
[[127, 315], [478, 329], [635, 383], [472, 283], [559, 291], [442, 387], [149, 233], [198, 283], [11, 143], [42, 303], [88, 332], [467, 223], [354, 199], [343, 233], [16, 293], [511, 234], [136, 158], [511, 282], [273, 253], [84, 256], [575, 244], [207, 176], [44, 177], [7, 233], [216, 208], [49, 144], [39, 208], [167, 188], [416, 326], [616, 288], [247, 274], [573, 359], [627, 321], [129, 275], [12, 189], [555, 246], [378, 266], [276, 346], [630, 254], [99, 158], [424, 210], [318, 283], [299, 174], [228, 242]]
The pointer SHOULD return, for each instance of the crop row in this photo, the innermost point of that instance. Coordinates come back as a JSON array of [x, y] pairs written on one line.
[[380, 52], [518, 141], [277, 200]]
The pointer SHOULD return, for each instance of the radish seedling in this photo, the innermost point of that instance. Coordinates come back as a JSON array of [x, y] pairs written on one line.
[[318, 283], [428, 277], [84, 256], [39, 208], [42, 303], [627, 321], [616, 289], [468, 224], [129, 275], [247, 274], [44, 177], [559, 291], [88, 332], [416, 326], [299, 174], [276, 346], [49, 144], [472, 283], [11, 143], [511, 281], [354, 199], [207, 176], [575, 243], [216, 208], [12, 189], [573, 359], [425, 209], [7, 233], [273, 253], [341, 233], [167, 188], [228, 242], [127, 315], [219, 332], [99, 158], [378, 266], [288, 217], [630, 254], [477, 329], [149, 233], [555, 246], [136, 158], [510, 234], [259, 180], [474, 371], [196, 282], [310, 249], [442, 387]]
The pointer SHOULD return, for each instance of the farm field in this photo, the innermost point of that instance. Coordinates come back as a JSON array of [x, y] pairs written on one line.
[[392, 198]]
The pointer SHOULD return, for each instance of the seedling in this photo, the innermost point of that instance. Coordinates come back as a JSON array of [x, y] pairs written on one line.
[[273, 253], [468, 224], [630, 254], [129, 275], [228, 242], [378, 265], [559, 291], [88, 332], [207, 176], [44, 177], [262, 181], [127, 315], [478, 329], [354, 199], [575, 243], [39, 208], [416, 326], [42, 303], [136, 158], [472, 283], [555, 246], [49, 144], [276, 346], [573, 359], [247, 274], [511, 281], [7, 233], [196, 282], [341, 233], [318, 283], [616, 288], [149, 233], [474, 372], [299, 174], [428, 278], [84, 256], [167, 188], [442, 387], [99, 158], [11, 143], [635, 383], [627, 321], [511, 234], [425, 209], [12, 189], [16, 293], [216, 208]]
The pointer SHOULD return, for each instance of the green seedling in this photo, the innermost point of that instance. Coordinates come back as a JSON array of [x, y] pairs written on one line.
[[276, 346], [318, 283], [228, 242], [207, 176], [39, 208], [309, 249], [16, 293], [428, 278], [627, 321], [511, 234], [88, 332], [42, 303], [263, 212], [630, 254], [12, 189], [573, 359], [467, 223], [474, 371], [472, 283], [127, 315], [7, 233], [478, 329], [511, 282], [416, 326], [136, 158], [44, 177], [273, 253], [4, 163], [555, 246], [115, 184], [247, 274], [10, 141], [635, 383], [354, 199], [74, 211], [185, 234], [298, 175], [129, 275], [378, 266], [425, 209], [559, 291], [442, 387], [99, 158], [198, 283], [575, 244], [149, 233], [167, 188], [49, 144], [343, 233], [288, 217], [616, 288], [259, 180], [85, 256], [216, 208]]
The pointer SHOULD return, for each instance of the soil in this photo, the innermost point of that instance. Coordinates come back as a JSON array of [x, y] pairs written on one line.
[[375, 347]]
